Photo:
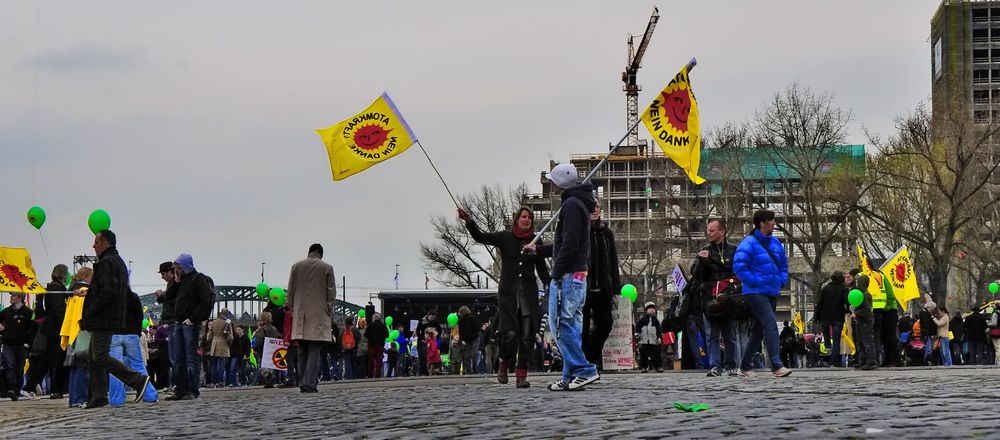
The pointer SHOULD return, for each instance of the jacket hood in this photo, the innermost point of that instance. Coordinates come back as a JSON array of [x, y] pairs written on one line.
[[584, 192], [862, 282]]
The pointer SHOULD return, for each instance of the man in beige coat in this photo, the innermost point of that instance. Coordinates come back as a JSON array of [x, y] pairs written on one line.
[[311, 295]]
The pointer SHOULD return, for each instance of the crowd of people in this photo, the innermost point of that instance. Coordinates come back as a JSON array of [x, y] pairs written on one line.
[[86, 338]]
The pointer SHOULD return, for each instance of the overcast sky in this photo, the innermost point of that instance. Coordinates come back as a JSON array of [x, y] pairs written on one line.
[[192, 122]]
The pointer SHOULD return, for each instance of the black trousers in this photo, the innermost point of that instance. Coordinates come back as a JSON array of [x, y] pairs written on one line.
[[864, 332], [887, 333], [13, 365], [596, 312], [101, 363], [519, 342], [51, 362], [649, 356]]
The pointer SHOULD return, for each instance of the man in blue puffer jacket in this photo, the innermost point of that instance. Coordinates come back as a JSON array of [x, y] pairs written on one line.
[[761, 265]]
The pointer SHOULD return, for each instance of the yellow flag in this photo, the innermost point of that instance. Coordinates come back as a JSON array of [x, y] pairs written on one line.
[[898, 269], [874, 278], [16, 272], [367, 138], [672, 120], [799, 324], [846, 338]]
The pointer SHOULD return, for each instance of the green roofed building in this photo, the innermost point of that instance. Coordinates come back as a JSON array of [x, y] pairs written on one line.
[[659, 216]]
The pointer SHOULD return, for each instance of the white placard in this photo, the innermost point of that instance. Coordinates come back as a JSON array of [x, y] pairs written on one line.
[[275, 354], [618, 350], [678, 276]]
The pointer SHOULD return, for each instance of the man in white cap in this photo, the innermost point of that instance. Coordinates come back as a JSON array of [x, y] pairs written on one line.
[[568, 289]]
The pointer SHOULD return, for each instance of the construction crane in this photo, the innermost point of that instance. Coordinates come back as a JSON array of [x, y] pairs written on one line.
[[628, 77]]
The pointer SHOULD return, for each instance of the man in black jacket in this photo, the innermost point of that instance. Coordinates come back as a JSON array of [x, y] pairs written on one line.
[[15, 328], [568, 289], [104, 314], [975, 335], [168, 300], [831, 306], [51, 309], [603, 281], [191, 309], [714, 268]]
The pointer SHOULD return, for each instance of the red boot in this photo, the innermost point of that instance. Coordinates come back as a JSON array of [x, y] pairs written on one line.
[[521, 375], [502, 372]]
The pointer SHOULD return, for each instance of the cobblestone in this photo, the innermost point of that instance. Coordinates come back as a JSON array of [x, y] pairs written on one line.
[[911, 403]]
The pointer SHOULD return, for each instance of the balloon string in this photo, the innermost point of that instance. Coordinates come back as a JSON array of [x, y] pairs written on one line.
[[47, 259]]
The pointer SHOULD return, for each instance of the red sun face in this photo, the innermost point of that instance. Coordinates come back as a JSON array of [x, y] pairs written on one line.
[[900, 272], [370, 137], [677, 107]]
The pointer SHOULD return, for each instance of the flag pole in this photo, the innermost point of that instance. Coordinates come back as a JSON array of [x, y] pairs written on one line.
[[438, 174], [690, 66]]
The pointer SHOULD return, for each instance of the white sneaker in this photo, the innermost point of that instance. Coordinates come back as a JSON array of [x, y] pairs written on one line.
[[579, 382], [558, 386], [29, 395]]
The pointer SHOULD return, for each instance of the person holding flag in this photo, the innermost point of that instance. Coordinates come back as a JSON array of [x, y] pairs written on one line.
[[517, 294]]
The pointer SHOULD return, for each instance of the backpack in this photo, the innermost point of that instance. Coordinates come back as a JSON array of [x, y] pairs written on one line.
[[347, 341]]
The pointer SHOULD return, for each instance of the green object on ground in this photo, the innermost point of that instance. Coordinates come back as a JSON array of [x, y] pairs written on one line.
[[694, 407]]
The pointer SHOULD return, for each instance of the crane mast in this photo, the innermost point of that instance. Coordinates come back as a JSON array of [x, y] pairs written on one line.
[[631, 88]]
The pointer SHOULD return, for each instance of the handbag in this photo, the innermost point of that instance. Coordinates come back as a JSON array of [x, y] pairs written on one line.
[[81, 346], [40, 344]]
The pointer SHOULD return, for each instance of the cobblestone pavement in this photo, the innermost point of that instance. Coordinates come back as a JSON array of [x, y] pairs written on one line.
[[915, 403]]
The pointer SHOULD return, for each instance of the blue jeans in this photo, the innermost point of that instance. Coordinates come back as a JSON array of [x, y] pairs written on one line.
[[126, 349], [78, 379], [234, 370], [349, 357], [219, 369], [710, 335], [766, 329], [188, 362], [735, 334], [566, 298], [946, 351], [831, 332], [173, 352]]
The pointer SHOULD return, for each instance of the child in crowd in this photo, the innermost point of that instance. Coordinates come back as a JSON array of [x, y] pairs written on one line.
[[649, 334], [265, 329], [433, 353]]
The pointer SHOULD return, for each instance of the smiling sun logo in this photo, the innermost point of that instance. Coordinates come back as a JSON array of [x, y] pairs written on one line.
[[370, 137], [677, 107]]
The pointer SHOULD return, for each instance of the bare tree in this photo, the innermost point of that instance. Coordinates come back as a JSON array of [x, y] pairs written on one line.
[[791, 158], [455, 257], [936, 187]]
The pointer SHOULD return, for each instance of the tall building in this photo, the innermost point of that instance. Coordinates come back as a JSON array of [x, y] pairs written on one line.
[[659, 216], [965, 56]]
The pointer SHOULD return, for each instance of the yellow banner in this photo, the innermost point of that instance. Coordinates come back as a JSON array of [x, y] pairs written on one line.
[[672, 120], [801, 326], [874, 278], [16, 272], [367, 138], [898, 269]]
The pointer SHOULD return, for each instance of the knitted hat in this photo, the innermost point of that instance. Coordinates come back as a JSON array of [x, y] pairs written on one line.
[[648, 305]]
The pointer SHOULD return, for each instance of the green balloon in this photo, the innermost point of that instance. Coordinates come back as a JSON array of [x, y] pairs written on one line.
[[145, 323], [388, 321], [993, 286], [394, 335], [36, 217], [263, 290], [278, 296], [855, 297], [452, 319], [628, 290], [361, 313], [99, 220]]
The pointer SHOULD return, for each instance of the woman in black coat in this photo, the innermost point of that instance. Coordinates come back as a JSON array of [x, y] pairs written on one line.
[[517, 296]]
